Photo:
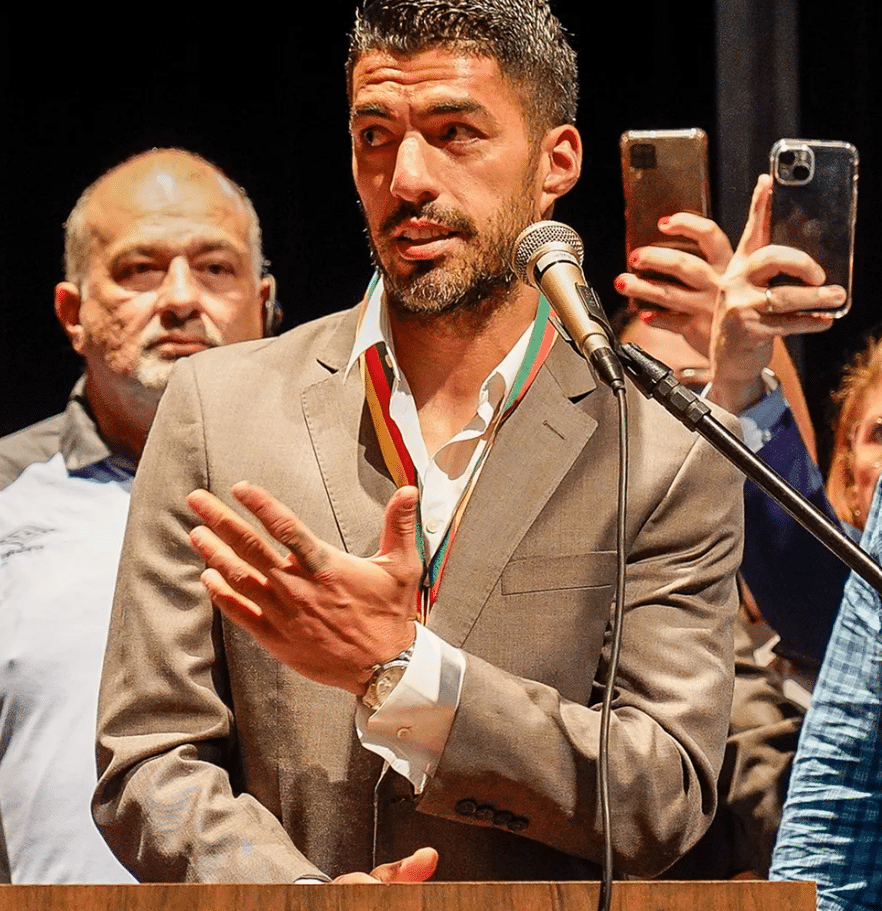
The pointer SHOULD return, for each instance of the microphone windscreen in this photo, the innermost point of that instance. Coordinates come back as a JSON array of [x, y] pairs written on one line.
[[534, 238]]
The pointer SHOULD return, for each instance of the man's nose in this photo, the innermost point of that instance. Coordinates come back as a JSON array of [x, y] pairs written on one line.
[[414, 179], [179, 298]]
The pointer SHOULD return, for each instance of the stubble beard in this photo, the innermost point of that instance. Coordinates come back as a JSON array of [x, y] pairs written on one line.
[[475, 282]]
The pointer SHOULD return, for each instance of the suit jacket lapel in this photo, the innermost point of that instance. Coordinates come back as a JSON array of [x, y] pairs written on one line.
[[535, 448], [345, 443]]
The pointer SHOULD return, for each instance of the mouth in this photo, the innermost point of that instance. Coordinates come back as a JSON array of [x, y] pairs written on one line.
[[420, 239], [173, 346]]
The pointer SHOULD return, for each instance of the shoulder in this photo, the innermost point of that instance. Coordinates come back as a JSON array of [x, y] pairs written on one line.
[[251, 379], [327, 340], [37, 443]]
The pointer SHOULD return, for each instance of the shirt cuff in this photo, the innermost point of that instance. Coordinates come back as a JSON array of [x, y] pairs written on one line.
[[410, 729], [758, 422]]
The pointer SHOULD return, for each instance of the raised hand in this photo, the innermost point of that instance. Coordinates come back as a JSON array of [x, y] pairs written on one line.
[[687, 310], [325, 613], [750, 315]]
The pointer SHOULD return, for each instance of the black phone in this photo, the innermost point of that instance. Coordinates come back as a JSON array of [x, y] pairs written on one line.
[[814, 206]]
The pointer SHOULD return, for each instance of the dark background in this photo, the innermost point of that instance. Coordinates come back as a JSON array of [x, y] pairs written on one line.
[[267, 103]]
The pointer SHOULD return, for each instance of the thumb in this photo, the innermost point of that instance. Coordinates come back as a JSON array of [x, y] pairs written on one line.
[[756, 231], [414, 869], [399, 525]]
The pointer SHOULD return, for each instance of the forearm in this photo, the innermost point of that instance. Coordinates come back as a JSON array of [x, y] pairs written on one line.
[[796, 580], [831, 818]]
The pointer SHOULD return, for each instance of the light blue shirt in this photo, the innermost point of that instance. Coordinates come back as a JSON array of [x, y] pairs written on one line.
[[61, 533], [832, 826]]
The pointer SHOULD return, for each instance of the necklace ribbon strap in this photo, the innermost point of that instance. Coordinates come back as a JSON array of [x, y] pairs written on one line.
[[378, 380]]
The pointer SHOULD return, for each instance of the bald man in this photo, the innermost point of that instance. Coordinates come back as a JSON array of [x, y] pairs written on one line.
[[162, 259]]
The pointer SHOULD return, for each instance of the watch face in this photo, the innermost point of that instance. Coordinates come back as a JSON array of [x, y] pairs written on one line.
[[387, 681]]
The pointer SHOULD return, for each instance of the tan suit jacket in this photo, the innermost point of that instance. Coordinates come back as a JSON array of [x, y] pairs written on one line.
[[217, 763]]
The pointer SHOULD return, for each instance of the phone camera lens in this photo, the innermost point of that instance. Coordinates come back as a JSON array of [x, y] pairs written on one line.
[[643, 155], [801, 172], [787, 158]]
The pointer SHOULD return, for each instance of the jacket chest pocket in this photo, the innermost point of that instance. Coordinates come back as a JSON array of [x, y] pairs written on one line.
[[547, 620]]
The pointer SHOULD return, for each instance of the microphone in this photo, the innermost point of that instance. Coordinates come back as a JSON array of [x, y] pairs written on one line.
[[548, 256]]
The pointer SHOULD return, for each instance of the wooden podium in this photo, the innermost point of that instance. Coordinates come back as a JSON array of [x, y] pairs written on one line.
[[740, 895]]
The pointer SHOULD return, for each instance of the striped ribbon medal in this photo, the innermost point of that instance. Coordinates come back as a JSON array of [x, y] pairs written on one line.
[[378, 380]]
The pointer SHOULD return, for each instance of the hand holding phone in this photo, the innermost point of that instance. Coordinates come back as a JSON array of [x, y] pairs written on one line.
[[675, 253], [814, 207], [750, 315]]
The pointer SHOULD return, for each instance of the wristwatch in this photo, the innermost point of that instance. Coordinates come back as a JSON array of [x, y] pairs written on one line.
[[385, 677]]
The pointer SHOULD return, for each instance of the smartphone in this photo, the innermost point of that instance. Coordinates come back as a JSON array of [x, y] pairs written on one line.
[[663, 172], [814, 206]]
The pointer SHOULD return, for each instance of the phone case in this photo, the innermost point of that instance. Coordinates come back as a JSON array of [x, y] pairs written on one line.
[[663, 172], [814, 206]]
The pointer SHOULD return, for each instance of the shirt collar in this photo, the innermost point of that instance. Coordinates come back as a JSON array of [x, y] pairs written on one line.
[[373, 325], [374, 328], [81, 443]]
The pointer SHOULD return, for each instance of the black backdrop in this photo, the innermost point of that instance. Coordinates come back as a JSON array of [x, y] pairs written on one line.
[[267, 103]]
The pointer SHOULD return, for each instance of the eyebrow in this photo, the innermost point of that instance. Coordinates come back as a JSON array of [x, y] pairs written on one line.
[[198, 248], [466, 106], [369, 110]]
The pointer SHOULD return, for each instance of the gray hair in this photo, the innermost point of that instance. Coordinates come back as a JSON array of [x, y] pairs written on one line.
[[523, 36], [78, 232]]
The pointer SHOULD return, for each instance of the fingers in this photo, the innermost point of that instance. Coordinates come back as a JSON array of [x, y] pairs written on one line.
[[660, 266], [398, 538], [795, 301], [696, 330], [312, 554], [756, 231], [709, 236], [227, 527], [241, 610], [350, 879], [768, 262], [414, 869]]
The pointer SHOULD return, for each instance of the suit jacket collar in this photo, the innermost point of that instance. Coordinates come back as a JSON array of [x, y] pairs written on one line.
[[534, 450]]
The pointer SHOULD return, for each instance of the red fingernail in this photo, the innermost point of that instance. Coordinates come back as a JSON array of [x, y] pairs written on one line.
[[646, 315], [620, 283], [634, 258], [664, 220]]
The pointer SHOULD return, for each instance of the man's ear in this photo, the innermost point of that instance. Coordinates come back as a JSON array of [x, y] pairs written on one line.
[[270, 311], [560, 165], [67, 309]]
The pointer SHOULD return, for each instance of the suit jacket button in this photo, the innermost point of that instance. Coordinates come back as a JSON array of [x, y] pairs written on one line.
[[466, 808], [485, 812], [502, 818], [518, 824]]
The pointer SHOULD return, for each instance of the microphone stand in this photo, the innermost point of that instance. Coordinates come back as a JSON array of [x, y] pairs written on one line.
[[656, 380]]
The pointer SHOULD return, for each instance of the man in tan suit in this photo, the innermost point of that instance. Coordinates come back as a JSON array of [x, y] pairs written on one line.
[[281, 716]]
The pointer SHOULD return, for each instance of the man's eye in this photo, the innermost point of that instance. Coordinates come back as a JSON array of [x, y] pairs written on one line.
[[138, 268], [217, 275], [217, 268], [373, 136], [457, 132], [139, 276]]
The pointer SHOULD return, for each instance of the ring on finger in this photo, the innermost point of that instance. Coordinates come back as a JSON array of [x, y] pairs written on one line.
[[770, 307]]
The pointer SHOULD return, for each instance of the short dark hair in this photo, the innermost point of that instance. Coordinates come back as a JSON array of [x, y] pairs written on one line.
[[523, 36]]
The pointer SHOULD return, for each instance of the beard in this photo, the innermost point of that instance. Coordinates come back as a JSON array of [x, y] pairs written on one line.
[[152, 372], [478, 277], [154, 368]]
